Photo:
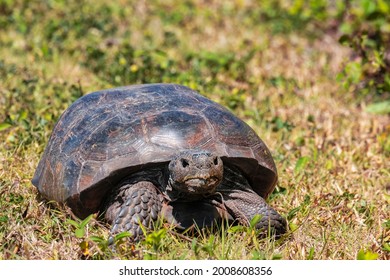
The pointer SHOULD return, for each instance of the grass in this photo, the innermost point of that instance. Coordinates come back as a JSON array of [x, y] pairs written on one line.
[[332, 155]]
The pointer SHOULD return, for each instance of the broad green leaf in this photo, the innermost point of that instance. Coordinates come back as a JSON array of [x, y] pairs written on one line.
[[235, 229], [301, 164], [86, 221], [4, 126], [194, 244], [256, 255], [73, 223], [79, 232], [122, 235], [255, 220], [367, 255], [23, 115], [311, 254], [384, 6], [380, 108], [98, 239], [293, 226], [155, 237], [277, 257], [3, 219]]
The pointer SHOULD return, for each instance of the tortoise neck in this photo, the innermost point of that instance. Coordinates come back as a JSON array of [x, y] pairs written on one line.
[[233, 179]]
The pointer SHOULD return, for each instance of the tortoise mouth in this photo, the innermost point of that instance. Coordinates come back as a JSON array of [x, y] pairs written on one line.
[[202, 182], [202, 185]]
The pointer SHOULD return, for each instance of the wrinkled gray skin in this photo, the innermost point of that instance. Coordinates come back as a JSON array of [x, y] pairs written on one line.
[[196, 187]]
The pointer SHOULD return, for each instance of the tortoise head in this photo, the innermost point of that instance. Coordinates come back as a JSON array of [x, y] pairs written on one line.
[[195, 173]]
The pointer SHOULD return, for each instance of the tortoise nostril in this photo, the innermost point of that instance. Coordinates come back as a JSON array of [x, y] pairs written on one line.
[[184, 162], [216, 161]]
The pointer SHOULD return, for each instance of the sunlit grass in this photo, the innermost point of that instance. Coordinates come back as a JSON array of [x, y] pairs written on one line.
[[332, 156]]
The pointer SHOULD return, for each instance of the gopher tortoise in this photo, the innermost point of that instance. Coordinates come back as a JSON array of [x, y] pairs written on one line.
[[141, 152]]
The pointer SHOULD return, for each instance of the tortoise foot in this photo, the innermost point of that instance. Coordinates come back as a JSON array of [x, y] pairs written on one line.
[[271, 222], [245, 205]]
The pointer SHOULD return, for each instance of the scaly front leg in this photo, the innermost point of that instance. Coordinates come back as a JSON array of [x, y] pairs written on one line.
[[132, 205], [243, 205]]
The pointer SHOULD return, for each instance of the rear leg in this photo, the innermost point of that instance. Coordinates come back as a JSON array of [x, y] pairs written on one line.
[[132, 205]]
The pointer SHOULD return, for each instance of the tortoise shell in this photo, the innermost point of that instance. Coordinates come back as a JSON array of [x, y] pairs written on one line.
[[106, 135]]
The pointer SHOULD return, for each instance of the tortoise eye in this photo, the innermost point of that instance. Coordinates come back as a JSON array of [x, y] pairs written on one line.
[[184, 162], [215, 161]]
